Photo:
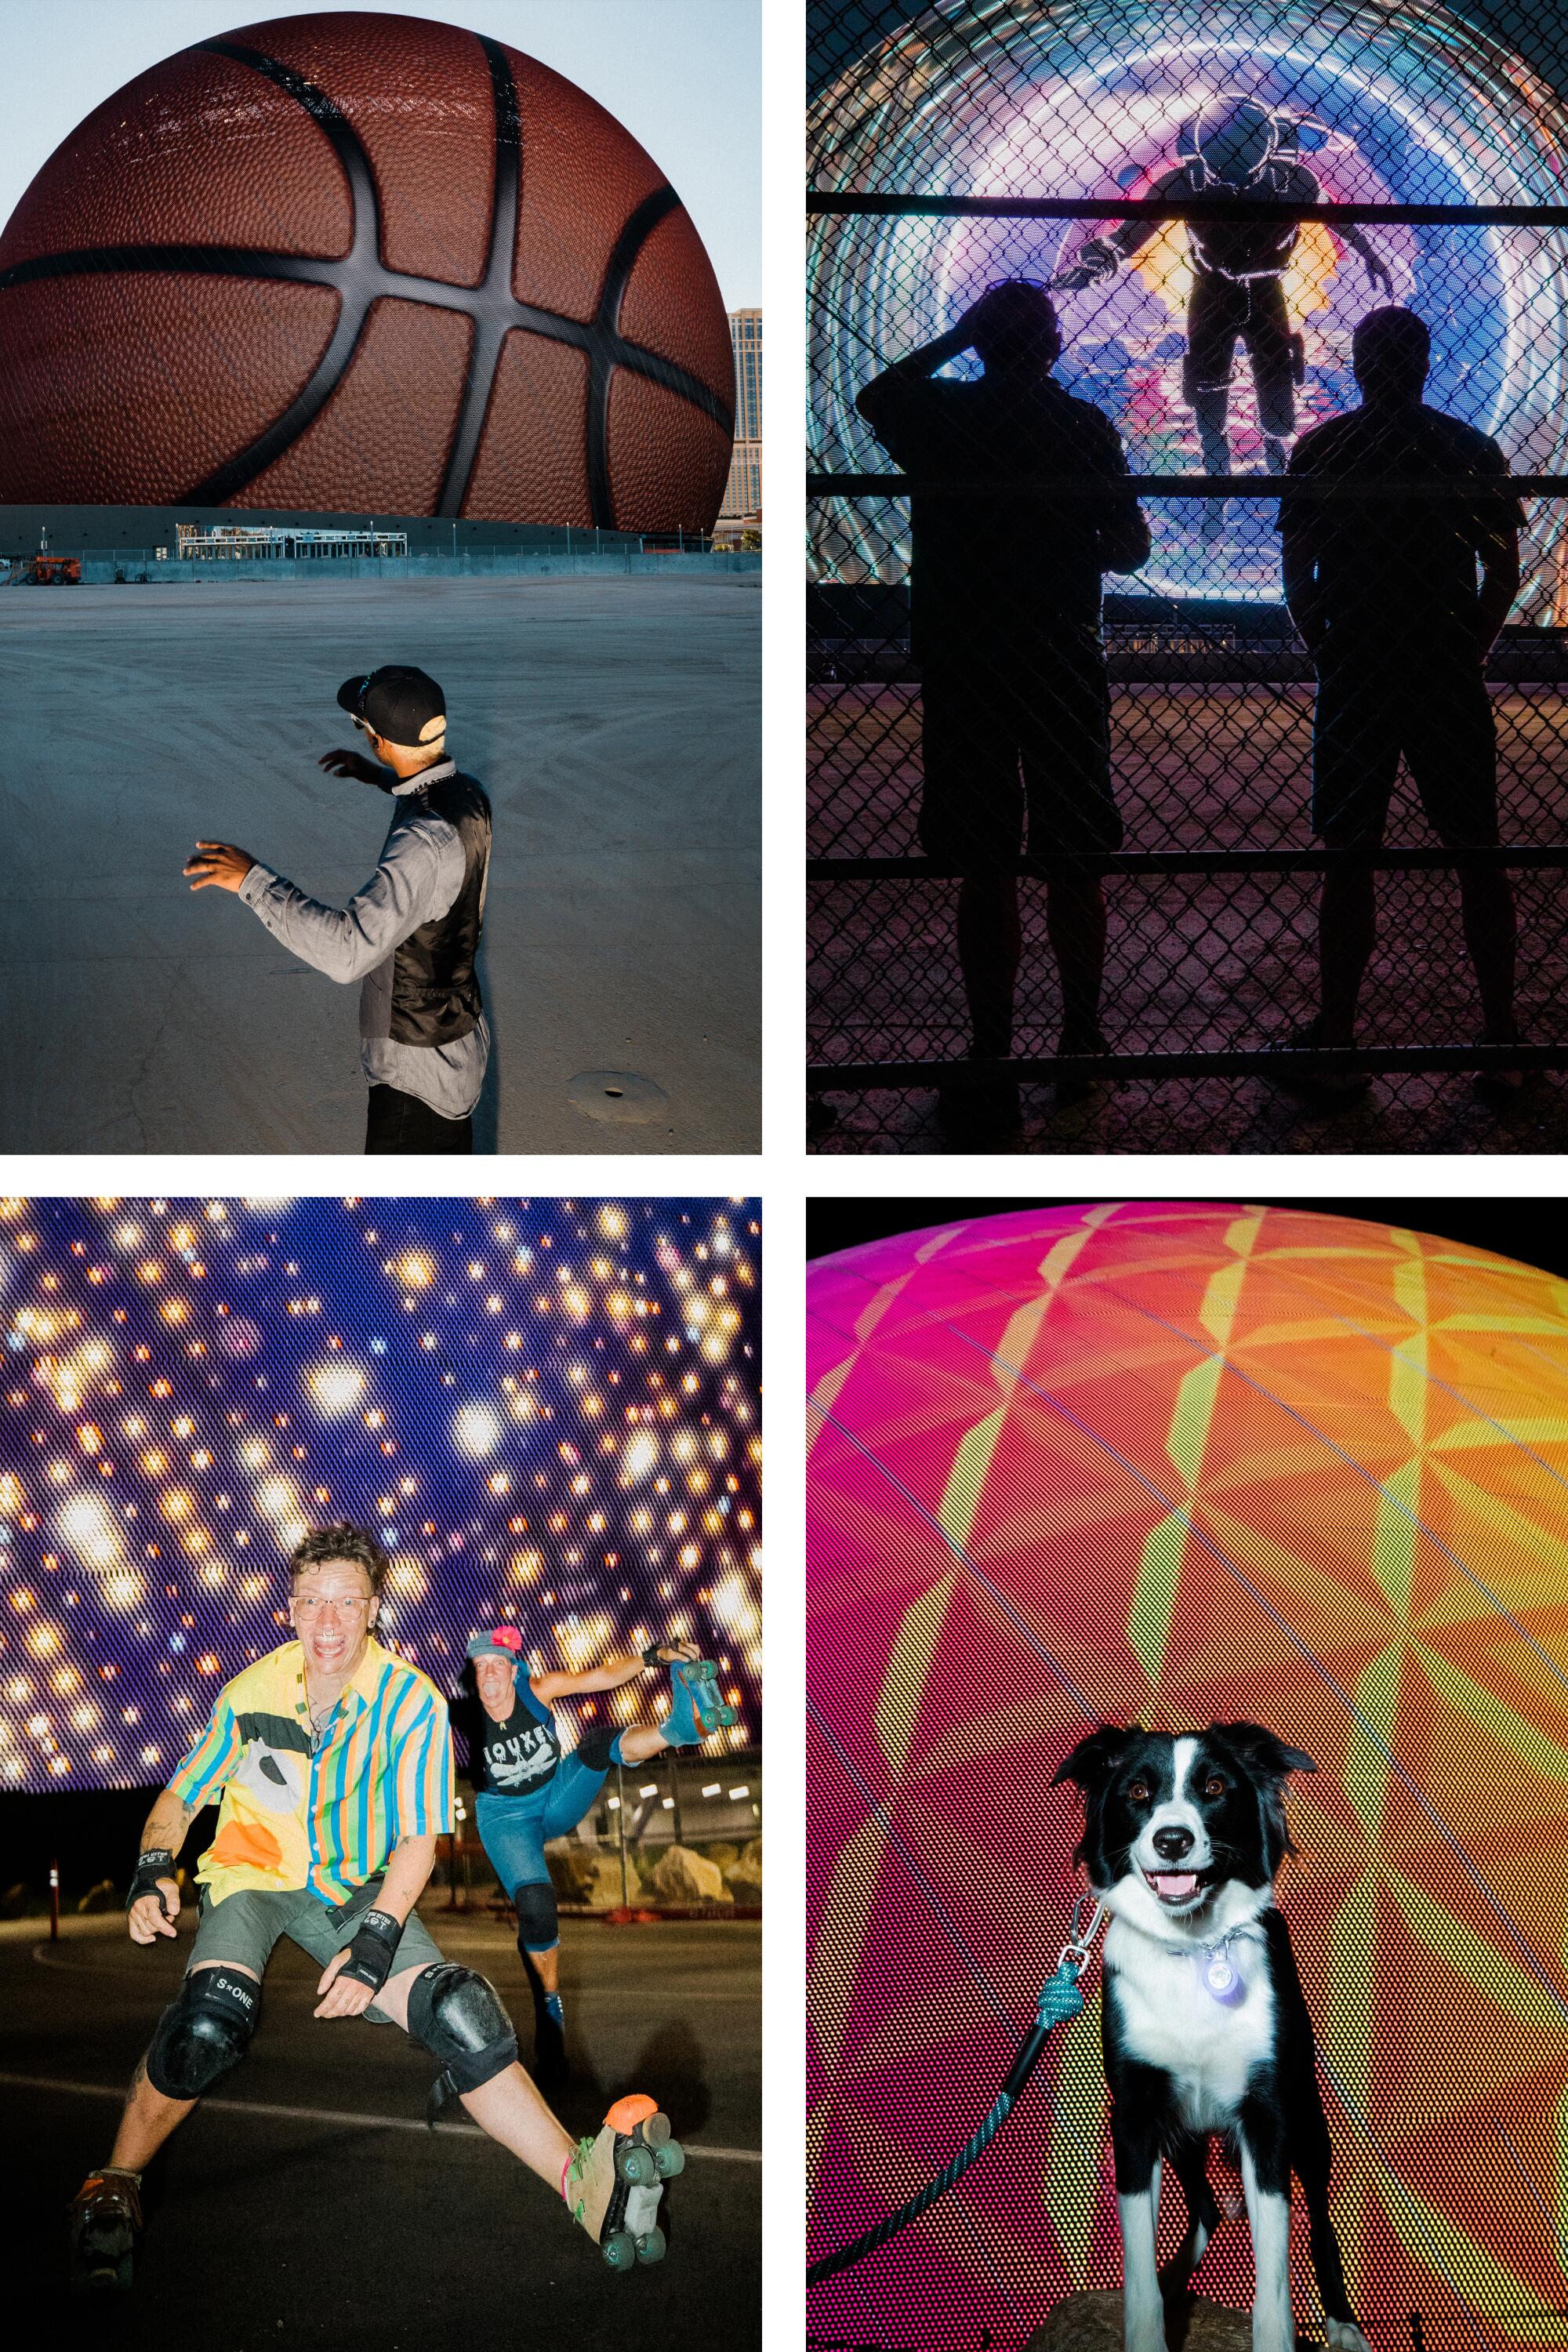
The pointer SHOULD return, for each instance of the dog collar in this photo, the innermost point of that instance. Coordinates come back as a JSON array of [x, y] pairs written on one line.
[[1215, 1969]]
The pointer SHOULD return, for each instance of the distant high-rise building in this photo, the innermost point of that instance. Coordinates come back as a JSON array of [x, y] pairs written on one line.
[[746, 343], [742, 506]]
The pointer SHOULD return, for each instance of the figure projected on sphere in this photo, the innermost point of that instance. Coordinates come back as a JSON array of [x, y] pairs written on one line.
[[1233, 145]]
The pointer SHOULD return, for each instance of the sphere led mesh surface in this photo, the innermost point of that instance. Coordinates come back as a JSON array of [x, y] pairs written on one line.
[[548, 1410], [1011, 98], [1169, 1465]]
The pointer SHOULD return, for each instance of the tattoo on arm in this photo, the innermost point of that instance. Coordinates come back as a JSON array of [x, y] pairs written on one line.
[[168, 1823]]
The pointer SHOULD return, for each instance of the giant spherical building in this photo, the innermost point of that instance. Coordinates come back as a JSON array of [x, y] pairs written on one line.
[[1176, 1463], [365, 264]]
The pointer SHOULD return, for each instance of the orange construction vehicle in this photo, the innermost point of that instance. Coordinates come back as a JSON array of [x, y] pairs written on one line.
[[54, 571]]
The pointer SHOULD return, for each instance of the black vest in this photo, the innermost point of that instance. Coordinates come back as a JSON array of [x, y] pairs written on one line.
[[435, 987]]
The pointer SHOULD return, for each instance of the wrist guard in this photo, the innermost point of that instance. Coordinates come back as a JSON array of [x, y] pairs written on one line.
[[650, 1656], [155, 1864], [373, 1948]]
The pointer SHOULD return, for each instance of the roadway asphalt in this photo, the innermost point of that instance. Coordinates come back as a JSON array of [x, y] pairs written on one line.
[[615, 724], [304, 2204]]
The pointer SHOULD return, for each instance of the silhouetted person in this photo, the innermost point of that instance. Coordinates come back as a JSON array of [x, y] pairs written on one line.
[[1004, 600], [1233, 145], [1383, 592]]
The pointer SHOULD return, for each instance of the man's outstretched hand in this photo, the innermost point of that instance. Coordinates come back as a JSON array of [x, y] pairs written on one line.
[[153, 1915], [356, 764], [218, 865], [344, 1995]]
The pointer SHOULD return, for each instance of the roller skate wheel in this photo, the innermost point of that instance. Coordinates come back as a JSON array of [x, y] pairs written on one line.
[[651, 2246], [670, 2159], [98, 2278], [655, 2131], [635, 2164], [619, 2250]]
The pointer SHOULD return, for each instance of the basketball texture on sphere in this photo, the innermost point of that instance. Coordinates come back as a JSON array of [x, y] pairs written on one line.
[[368, 264]]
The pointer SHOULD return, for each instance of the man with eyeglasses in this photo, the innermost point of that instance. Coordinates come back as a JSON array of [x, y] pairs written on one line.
[[411, 937], [333, 1757]]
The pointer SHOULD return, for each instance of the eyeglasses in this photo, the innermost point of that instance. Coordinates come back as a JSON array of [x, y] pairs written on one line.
[[357, 722], [310, 1605]]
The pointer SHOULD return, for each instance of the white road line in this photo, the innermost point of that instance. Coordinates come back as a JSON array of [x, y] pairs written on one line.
[[332, 2115]]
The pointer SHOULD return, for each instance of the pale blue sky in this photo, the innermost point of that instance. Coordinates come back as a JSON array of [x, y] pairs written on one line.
[[682, 75]]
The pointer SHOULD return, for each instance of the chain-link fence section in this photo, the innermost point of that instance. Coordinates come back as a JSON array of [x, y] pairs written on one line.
[[1238, 318]]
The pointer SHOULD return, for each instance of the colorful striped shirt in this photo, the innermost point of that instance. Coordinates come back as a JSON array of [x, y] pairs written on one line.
[[327, 1820]]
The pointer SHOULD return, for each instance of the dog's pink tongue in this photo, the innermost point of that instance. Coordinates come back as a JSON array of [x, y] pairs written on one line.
[[1175, 1888]]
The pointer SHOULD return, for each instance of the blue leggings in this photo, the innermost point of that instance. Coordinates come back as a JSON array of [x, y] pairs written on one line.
[[513, 1830]]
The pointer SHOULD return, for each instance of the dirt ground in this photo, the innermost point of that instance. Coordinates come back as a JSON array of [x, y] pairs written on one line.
[[1193, 962]]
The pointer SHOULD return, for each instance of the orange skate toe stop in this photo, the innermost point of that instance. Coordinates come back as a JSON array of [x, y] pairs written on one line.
[[634, 2109]]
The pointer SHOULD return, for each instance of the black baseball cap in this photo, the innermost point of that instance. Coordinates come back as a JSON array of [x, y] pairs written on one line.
[[399, 704]]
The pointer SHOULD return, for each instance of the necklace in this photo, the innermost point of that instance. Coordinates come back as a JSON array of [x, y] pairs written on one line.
[[321, 1719]]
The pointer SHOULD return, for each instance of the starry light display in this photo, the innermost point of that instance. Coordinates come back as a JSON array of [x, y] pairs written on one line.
[[549, 1411]]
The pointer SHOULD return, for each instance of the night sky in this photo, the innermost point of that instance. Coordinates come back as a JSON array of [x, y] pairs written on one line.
[[549, 1411]]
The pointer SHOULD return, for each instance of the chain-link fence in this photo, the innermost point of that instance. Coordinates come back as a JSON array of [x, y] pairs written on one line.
[[1285, 295]]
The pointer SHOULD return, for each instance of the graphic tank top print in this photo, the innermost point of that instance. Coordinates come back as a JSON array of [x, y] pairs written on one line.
[[514, 1758]]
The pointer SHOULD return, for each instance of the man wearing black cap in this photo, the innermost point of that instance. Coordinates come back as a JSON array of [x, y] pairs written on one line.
[[411, 935]]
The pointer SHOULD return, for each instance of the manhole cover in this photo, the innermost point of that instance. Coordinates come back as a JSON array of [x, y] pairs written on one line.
[[619, 1096]]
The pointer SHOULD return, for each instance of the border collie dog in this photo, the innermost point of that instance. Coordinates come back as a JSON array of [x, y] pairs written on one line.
[[1204, 2026]]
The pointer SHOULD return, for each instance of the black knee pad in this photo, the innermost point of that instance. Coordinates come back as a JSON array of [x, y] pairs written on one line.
[[456, 2014], [204, 2031], [596, 1747], [538, 1920]]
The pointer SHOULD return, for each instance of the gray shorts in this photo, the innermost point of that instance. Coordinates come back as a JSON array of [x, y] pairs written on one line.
[[243, 1928]]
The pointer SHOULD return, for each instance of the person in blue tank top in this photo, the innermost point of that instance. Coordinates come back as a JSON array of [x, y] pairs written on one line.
[[526, 1790]]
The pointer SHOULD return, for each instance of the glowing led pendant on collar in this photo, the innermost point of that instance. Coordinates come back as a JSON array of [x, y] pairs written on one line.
[[1221, 1976]]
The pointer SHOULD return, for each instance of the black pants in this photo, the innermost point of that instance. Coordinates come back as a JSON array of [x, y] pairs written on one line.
[[1437, 711], [1024, 730], [1224, 311], [400, 1122]]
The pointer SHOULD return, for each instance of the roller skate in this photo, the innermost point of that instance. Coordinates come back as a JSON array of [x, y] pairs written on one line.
[[695, 1708], [105, 2221], [614, 2183]]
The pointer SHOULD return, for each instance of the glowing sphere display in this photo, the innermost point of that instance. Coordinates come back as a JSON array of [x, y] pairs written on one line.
[[547, 1412], [1172, 1464], [1095, 98]]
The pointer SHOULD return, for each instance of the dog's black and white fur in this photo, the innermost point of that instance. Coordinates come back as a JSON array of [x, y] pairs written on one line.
[[1181, 1839]]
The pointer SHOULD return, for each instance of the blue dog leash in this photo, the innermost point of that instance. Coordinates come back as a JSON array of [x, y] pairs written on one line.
[[1060, 2000]]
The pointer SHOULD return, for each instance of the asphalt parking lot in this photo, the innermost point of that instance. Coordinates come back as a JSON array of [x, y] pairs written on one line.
[[304, 2203]]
